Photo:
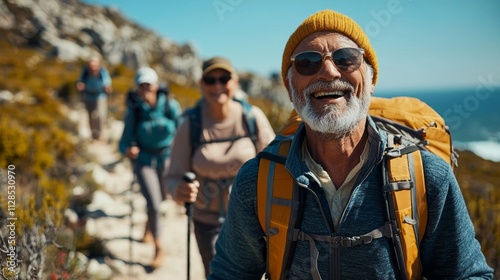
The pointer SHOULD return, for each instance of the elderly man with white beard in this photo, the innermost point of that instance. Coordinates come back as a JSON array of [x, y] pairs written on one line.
[[335, 162]]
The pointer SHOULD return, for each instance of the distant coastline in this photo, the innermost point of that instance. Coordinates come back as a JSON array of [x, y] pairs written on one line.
[[489, 150], [472, 115]]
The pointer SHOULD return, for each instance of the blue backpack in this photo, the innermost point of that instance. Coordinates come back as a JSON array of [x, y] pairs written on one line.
[[133, 100], [133, 103]]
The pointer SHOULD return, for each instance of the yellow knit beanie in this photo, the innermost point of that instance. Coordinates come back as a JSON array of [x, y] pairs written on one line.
[[329, 20]]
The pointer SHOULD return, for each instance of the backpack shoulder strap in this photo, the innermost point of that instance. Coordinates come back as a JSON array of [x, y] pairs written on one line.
[[101, 72], [162, 90], [167, 110], [406, 204], [132, 103], [279, 208], [249, 120], [195, 129], [194, 115], [85, 74]]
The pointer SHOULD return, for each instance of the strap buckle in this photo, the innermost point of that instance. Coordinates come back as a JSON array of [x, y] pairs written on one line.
[[352, 240]]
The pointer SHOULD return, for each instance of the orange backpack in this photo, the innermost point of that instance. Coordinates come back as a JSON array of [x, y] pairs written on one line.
[[411, 125], [405, 116]]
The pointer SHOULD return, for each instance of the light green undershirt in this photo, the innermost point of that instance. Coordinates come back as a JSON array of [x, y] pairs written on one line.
[[337, 197]]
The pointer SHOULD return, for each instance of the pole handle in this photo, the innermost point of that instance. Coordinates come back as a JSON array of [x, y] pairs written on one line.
[[188, 177]]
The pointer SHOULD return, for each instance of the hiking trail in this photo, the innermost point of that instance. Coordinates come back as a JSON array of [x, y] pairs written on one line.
[[109, 216]]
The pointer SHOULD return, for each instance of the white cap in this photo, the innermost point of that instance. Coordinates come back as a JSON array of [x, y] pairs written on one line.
[[146, 75]]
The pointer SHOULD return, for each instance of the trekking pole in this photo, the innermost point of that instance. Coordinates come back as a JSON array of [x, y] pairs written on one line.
[[131, 201], [189, 177]]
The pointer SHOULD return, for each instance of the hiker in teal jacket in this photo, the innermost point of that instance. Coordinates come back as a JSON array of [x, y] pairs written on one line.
[[336, 158], [150, 121]]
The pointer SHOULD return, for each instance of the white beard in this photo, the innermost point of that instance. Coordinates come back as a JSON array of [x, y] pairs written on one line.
[[331, 122]]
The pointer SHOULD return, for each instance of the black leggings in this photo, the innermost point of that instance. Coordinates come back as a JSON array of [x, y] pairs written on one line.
[[206, 235]]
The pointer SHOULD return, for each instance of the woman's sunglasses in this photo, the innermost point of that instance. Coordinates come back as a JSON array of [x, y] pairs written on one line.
[[145, 87], [346, 59], [209, 80]]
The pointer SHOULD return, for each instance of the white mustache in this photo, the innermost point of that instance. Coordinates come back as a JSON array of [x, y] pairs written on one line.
[[336, 85]]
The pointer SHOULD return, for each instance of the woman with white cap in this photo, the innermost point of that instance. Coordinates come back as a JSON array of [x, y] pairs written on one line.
[[151, 121]]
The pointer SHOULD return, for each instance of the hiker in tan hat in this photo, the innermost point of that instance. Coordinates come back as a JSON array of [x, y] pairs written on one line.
[[220, 133], [319, 204]]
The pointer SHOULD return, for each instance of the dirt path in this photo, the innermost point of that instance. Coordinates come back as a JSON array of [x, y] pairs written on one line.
[[114, 225]]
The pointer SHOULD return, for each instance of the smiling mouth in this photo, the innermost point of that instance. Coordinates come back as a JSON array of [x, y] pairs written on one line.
[[327, 95], [219, 93]]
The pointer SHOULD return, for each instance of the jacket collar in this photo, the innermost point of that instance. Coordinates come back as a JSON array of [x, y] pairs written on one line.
[[377, 140]]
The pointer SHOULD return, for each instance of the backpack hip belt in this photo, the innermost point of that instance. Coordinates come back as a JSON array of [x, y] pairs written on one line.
[[155, 151]]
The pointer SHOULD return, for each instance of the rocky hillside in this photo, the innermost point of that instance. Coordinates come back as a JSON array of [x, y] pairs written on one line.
[[71, 30]]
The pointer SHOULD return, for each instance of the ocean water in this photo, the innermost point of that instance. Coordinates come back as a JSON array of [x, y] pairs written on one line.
[[472, 114]]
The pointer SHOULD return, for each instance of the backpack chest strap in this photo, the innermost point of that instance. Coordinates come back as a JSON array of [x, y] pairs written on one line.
[[342, 241], [335, 241]]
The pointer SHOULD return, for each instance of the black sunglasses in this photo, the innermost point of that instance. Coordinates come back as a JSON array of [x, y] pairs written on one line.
[[310, 62], [210, 80], [145, 87]]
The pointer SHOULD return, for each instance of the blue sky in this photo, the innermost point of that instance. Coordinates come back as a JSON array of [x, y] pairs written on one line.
[[420, 44]]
